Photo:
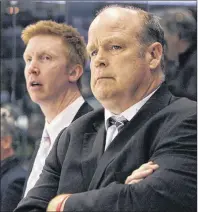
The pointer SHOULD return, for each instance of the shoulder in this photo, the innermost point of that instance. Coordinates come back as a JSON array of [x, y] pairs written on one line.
[[173, 130], [178, 116], [77, 129], [16, 172], [85, 122], [182, 107]]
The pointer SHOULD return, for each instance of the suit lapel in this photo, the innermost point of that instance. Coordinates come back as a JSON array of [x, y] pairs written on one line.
[[158, 101], [93, 148], [85, 108]]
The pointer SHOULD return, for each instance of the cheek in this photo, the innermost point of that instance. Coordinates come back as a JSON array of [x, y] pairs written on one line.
[[91, 65], [92, 72], [60, 69], [92, 80], [26, 74], [56, 72]]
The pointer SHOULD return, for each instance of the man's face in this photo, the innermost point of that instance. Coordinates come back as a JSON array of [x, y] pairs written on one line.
[[117, 69], [45, 69]]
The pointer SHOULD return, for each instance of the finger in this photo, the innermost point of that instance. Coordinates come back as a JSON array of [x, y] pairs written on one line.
[[142, 174], [144, 168], [148, 166], [134, 181], [139, 175], [150, 162]]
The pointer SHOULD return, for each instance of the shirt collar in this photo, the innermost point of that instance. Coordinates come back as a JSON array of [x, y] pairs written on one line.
[[63, 119], [131, 111]]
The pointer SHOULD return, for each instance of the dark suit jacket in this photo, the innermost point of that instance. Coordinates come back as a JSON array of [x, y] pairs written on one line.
[[85, 108], [163, 131], [12, 181]]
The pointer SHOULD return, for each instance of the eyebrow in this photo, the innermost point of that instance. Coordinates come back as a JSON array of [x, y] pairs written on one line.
[[25, 55], [106, 40], [90, 48], [40, 53]]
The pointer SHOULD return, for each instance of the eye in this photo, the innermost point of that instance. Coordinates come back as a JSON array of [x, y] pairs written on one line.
[[93, 53], [115, 47], [28, 60], [45, 57]]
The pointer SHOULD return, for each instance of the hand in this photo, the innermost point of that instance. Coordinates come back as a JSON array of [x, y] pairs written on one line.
[[52, 206], [143, 171]]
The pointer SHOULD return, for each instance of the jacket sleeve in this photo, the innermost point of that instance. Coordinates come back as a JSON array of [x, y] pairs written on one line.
[[46, 187], [170, 188]]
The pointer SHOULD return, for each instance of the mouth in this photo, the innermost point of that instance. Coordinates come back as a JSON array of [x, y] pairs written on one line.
[[99, 78], [35, 84], [103, 79]]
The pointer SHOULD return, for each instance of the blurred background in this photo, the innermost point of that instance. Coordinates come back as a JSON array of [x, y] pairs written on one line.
[[15, 15]]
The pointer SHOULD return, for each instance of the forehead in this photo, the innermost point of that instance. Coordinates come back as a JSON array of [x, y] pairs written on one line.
[[45, 43], [115, 20]]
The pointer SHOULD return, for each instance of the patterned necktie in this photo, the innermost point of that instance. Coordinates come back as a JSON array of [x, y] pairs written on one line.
[[114, 126], [119, 122], [39, 161]]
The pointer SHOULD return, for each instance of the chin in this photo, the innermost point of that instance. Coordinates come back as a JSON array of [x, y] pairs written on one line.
[[103, 95], [35, 99]]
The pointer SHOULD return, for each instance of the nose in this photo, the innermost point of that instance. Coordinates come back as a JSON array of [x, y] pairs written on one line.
[[101, 59], [33, 68]]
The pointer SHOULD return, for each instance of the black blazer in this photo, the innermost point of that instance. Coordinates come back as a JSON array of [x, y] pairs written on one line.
[[85, 108], [163, 131], [13, 177]]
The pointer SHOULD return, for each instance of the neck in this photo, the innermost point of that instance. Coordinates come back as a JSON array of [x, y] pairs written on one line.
[[53, 108]]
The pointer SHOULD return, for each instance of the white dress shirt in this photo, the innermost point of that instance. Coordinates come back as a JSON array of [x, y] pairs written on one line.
[[128, 114], [61, 121]]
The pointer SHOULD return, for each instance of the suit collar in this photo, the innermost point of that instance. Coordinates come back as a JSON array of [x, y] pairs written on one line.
[[63, 119], [131, 111]]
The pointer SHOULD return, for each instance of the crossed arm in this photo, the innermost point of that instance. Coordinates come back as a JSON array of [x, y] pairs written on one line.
[[170, 188], [57, 203]]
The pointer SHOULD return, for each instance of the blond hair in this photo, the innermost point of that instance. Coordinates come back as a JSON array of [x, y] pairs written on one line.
[[72, 38]]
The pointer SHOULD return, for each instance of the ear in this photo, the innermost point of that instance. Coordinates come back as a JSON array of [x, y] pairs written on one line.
[[155, 52], [6, 142], [75, 73]]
